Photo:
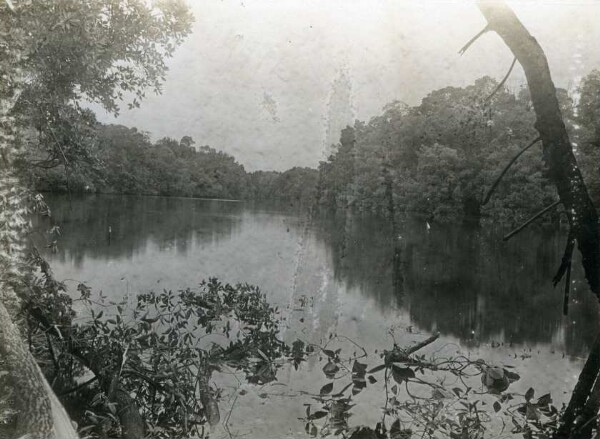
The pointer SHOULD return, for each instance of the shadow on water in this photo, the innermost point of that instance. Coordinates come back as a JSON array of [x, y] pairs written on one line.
[[464, 281], [134, 221]]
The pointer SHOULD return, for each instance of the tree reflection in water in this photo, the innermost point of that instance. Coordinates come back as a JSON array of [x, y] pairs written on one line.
[[463, 280], [457, 279]]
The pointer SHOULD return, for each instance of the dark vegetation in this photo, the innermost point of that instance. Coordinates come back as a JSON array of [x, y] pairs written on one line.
[[438, 158], [441, 157], [124, 161]]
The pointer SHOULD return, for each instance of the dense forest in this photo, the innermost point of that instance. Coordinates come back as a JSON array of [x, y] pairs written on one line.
[[438, 158], [125, 161]]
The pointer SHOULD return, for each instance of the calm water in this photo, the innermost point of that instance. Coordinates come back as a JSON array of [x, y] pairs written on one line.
[[360, 279]]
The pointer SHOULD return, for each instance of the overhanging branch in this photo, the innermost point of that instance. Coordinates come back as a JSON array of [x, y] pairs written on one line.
[[506, 168], [558, 155]]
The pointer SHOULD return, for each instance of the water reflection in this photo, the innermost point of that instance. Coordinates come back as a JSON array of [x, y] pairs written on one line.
[[464, 281], [461, 281], [134, 222]]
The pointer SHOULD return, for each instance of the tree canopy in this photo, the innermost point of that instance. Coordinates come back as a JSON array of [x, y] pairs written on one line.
[[72, 52]]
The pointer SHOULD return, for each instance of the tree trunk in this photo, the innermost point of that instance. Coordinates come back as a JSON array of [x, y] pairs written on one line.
[[564, 173], [39, 413], [557, 151]]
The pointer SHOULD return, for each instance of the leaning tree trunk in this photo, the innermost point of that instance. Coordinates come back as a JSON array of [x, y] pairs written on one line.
[[577, 421], [39, 414], [558, 153]]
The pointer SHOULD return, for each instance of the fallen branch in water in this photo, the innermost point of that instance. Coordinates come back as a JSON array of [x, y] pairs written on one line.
[[422, 344]]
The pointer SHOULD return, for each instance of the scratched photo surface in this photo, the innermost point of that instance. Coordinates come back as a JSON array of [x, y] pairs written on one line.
[[293, 219]]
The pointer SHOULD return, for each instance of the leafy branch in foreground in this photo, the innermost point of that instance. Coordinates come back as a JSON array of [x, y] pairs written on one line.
[[427, 398], [146, 371]]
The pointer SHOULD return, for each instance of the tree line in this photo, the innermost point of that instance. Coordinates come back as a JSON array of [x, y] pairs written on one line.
[[124, 160], [437, 158]]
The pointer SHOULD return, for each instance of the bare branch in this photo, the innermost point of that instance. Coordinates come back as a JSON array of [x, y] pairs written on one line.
[[472, 40], [422, 344], [530, 220], [558, 155], [510, 69], [514, 159]]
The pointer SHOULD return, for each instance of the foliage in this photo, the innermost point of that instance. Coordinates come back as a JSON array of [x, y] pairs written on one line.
[[437, 158], [101, 51], [425, 397], [163, 349], [127, 162], [160, 353], [295, 185], [440, 157]]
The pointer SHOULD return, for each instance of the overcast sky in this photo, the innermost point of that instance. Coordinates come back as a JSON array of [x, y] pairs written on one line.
[[272, 82]]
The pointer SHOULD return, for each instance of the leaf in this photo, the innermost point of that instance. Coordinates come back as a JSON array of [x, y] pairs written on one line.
[[318, 415], [401, 374], [529, 394], [372, 379], [358, 387], [359, 368], [377, 368], [495, 373], [497, 406], [441, 394], [326, 389], [532, 413], [329, 353], [544, 400], [395, 428], [511, 375], [330, 369]]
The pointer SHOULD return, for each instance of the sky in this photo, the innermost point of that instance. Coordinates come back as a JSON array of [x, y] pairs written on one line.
[[272, 82]]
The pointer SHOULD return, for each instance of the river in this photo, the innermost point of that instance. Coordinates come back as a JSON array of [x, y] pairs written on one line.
[[487, 298]]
